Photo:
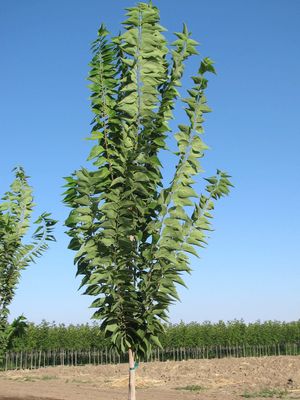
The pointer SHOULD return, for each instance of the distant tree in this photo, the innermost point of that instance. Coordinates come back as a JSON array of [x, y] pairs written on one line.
[[131, 234], [15, 254], [17, 329]]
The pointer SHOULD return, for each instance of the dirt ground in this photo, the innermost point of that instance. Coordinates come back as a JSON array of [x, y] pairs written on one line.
[[226, 379]]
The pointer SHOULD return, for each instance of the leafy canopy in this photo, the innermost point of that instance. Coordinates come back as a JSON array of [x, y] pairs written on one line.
[[131, 234], [15, 254]]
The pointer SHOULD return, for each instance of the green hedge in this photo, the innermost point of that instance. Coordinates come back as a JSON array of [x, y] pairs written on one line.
[[46, 336]]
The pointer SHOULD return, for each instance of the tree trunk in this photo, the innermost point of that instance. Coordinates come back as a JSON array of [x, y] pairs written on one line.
[[131, 386]]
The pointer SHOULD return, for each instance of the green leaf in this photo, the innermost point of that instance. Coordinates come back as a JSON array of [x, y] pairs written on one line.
[[95, 152], [111, 327], [156, 341], [185, 191], [189, 249]]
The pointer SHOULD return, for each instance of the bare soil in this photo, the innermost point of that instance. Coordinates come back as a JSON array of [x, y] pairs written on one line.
[[217, 379]]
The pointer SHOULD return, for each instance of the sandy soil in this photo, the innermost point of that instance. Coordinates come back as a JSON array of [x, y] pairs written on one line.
[[226, 379]]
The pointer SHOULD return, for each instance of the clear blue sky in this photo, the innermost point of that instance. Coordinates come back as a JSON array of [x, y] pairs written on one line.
[[250, 269]]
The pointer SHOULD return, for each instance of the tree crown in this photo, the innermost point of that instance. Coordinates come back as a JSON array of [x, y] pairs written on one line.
[[131, 234]]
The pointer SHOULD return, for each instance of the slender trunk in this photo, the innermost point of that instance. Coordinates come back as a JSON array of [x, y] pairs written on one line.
[[131, 386]]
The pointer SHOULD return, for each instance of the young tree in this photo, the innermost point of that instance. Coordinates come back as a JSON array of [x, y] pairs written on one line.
[[131, 234], [16, 330], [15, 255]]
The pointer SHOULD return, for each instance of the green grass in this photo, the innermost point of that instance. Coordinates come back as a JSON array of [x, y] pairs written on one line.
[[28, 379], [48, 377], [266, 393], [33, 378], [191, 388], [75, 380]]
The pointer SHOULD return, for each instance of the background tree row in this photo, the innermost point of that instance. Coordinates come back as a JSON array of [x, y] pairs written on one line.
[[46, 336]]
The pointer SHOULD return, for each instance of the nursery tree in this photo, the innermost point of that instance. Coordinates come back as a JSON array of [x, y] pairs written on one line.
[[15, 254], [16, 330], [133, 235]]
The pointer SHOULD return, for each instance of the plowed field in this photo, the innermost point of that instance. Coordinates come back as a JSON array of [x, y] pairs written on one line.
[[218, 379]]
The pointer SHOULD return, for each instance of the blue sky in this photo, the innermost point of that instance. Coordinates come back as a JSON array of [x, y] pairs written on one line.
[[250, 269]]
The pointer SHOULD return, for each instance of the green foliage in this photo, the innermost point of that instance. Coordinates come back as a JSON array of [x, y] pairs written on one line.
[[266, 393], [131, 234], [191, 388], [231, 333], [46, 336], [15, 255], [17, 329]]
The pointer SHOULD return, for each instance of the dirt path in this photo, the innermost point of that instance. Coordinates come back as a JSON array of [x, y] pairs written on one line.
[[226, 379]]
